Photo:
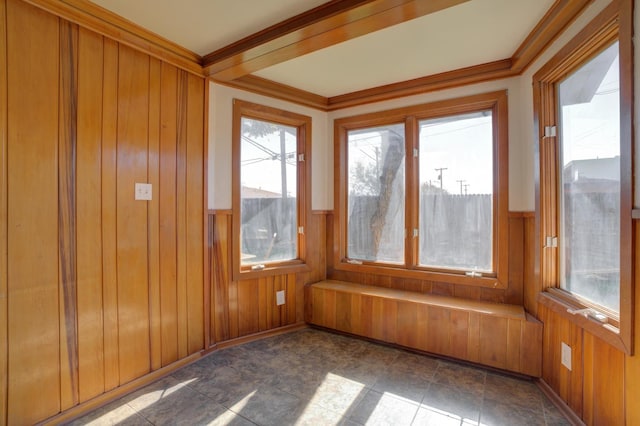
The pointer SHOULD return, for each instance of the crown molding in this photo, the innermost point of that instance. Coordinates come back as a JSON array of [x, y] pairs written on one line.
[[276, 90], [108, 24], [561, 14]]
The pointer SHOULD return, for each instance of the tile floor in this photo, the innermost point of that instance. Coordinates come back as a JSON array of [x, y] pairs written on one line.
[[312, 377]]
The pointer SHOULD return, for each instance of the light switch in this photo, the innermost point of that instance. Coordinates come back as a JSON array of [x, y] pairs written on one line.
[[143, 191], [280, 297], [565, 357]]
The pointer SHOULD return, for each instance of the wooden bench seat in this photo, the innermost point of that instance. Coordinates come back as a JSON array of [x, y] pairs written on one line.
[[493, 334]]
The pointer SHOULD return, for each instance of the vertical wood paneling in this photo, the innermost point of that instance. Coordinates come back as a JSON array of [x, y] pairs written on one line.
[[632, 364], [262, 304], [607, 396], [422, 319], [133, 292], [81, 308], [270, 301], [438, 329], [530, 344], [329, 312], [473, 347], [407, 319], [195, 213], [153, 213], [293, 288], [248, 322], [32, 190], [493, 340], [233, 309], [594, 388], [220, 276], [4, 350], [89, 206], [343, 312], [109, 237], [514, 292], [168, 214], [459, 330], [181, 215], [514, 332], [67, 150], [356, 315]]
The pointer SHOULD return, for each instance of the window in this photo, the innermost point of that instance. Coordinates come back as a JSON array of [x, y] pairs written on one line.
[[422, 191], [589, 177], [585, 177], [376, 193], [456, 192], [270, 153]]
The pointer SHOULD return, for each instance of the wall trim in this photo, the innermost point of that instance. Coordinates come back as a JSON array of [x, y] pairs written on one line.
[[559, 403], [110, 396], [108, 24]]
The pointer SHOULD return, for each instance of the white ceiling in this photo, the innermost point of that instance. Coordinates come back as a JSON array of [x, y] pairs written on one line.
[[471, 33], [203, 26]]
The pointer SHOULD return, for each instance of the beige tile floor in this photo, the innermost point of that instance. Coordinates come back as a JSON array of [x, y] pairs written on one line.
[[312, 377]]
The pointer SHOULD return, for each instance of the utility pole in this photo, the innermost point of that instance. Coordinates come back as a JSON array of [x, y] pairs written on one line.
[[461, 185], [283, 164], [440, 170], [466, 185]]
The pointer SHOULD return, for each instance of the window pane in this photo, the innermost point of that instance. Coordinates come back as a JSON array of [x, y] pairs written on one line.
[[376, 194], [590, 180], [456, 192], [268, 192]]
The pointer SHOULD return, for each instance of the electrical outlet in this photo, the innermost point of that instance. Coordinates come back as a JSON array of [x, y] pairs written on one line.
[[143, 191], [280, 297], [566, 356]]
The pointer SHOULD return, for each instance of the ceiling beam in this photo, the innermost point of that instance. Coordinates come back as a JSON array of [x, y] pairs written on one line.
[[318, 28]]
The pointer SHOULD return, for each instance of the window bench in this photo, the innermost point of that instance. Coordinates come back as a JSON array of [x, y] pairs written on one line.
[[493, 334]]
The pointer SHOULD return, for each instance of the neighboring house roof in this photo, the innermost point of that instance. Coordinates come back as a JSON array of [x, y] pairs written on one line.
[[248, 192]]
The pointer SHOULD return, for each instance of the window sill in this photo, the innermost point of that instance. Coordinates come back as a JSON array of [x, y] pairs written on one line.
[[270, 271], [450, 278], [606, 332]]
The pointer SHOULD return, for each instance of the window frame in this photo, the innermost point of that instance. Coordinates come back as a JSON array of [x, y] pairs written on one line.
[[410, 116], [245, 109], [614, 23]]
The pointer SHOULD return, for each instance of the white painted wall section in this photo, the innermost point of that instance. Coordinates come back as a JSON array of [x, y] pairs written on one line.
[[220, 130]]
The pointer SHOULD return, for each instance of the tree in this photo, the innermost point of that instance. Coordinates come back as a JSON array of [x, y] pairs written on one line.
[[392, 159]]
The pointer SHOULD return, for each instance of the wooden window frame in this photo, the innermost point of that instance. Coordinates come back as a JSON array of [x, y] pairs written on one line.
[[614, 23], [244, 109], [494, 101]]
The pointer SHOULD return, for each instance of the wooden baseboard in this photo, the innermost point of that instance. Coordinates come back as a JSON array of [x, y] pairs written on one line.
[[559, 403], [119, 392], [261, 335], [110, 396]]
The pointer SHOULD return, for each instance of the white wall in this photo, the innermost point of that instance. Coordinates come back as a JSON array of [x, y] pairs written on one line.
[[516, 201], [521, 132], [220, 127]]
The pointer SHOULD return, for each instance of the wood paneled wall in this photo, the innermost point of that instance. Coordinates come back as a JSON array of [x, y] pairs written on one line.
[[96, 289], [520, 269], [594, 389], [603, 386], [242, 308]]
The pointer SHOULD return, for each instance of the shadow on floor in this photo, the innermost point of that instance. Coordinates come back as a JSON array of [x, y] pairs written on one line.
[[312, 377]]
